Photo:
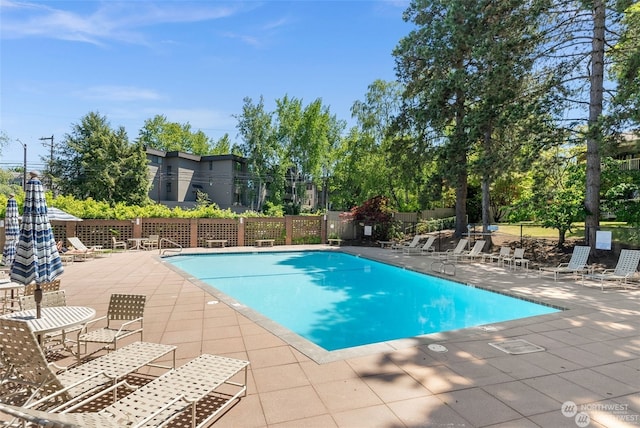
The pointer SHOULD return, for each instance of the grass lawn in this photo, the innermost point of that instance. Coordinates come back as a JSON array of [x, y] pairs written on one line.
[[536, 231]]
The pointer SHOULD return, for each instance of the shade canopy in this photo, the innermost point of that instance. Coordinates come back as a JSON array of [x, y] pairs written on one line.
[[56, 214], [11, 232], [37, 257]]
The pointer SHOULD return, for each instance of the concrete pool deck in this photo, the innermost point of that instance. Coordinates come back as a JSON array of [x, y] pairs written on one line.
[[591, 357]]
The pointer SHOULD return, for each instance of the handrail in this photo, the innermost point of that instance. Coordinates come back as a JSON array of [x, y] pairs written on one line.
[[177, 248]]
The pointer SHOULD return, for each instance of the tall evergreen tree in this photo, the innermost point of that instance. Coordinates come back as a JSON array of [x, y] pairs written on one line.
[[95, 161]]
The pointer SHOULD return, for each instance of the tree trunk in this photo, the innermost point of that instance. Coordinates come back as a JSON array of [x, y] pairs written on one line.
[[594, 133]]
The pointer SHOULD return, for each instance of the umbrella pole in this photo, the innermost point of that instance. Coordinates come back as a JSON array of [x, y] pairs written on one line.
[[37, 296]]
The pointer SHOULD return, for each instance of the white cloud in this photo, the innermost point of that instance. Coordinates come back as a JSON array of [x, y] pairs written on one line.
[[118, 93], [111, 21]]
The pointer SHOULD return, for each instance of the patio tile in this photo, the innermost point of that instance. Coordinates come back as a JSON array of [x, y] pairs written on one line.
[[427, 412], [346, 394], [322, 421], [600, 384], [516, 367], [438, 379], [480, 372], [478, 407], [562, 389], [522, 398], [392, 387], [375, 416], [291, 404], [271, 356], [338, 370], [279, 377]]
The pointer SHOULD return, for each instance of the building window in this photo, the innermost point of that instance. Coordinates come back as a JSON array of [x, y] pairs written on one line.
[[169, 170], [210, 165], [168, 187]]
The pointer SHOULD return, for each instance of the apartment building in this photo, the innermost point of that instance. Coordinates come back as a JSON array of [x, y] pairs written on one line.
[[176, 178]]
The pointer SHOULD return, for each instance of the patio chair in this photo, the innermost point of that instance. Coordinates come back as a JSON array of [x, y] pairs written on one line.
[[474, 253], [80, 248], [46, 287], [39, 386], [118, 244], [460, 247], [161, 401], [505, 251], [421, 249], [152, 242], [404, 245], [516, 259], [625, 269], [577, 263], [124, 318]]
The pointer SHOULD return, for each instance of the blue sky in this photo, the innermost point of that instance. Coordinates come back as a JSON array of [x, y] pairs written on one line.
[[192, 61]]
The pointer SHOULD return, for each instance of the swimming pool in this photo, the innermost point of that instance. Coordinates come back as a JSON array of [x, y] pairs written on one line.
[[338, 301]]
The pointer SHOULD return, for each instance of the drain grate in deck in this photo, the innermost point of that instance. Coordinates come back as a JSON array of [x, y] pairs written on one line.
[[517, 346]]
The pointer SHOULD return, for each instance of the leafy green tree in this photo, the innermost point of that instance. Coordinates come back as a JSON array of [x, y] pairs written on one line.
[[95, 161], [158, 133], [625, 69], [224, 147], [259, 146], [558, 200]]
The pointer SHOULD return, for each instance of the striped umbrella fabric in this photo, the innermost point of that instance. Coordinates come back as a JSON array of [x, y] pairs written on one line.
[[37, 257], [56, 214], [11, 231]]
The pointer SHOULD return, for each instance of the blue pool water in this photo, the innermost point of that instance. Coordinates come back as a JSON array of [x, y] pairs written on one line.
[[338, 301]]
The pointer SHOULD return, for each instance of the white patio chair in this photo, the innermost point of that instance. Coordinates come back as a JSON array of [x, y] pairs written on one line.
[[625, 269], [124, 318], [40, 386], [577, 263], [421, 249]]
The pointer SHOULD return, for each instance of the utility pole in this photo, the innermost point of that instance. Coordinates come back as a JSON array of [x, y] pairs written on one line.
[[50, 159], [50, 143], [24, 166]]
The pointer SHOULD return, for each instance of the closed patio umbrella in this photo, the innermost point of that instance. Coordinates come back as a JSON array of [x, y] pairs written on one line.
[[37, 257], [56, 214], [11, 232]]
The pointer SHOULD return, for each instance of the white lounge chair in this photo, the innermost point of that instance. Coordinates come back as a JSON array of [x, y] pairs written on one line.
[[462, 244], [160, 401], [421, 249], [516, 259], [25, 365], [475, 252], [80, 248], [505, 251], [625, 269], [403, 245], [577, 263]]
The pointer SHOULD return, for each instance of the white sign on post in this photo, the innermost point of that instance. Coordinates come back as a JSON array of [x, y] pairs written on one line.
[[603, 239], [367, 231]]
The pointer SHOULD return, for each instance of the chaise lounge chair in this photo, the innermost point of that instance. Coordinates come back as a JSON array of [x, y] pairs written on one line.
[[475, 252], [505, 251], [516, 259], [577, 263], [462, 244], [157, 403], [404, 245], [80, 248], [39, 386], [625, 269], [421, 249]]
